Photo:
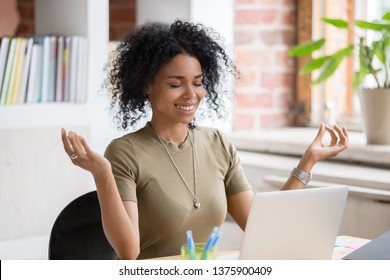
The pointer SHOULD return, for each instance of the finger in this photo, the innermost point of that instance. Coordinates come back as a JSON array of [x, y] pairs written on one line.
[[320, 133], [343, 137], [339, 132], [343, 134], [334, 138], [346, 135], [65, 141], [74, 140], [84, 143]]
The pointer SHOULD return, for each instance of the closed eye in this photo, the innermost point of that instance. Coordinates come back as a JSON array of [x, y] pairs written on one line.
[[198, 83]]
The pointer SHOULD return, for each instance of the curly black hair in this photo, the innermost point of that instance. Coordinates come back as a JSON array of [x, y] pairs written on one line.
[[147, 48]]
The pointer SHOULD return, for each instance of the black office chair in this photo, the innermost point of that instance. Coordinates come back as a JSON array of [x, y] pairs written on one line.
[[77, 233]]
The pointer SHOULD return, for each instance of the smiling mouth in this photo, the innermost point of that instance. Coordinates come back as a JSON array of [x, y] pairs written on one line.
[[185, 108]]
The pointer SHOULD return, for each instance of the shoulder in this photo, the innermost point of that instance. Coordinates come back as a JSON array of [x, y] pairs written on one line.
[[126, 143], [213, 136], [211, 132]]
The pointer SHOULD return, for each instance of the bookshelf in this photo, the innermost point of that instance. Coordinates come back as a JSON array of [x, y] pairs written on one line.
[[87, 18]]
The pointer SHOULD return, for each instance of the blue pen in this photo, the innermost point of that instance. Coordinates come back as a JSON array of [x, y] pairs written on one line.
[[191, 245], [209, 243], [216, 239]]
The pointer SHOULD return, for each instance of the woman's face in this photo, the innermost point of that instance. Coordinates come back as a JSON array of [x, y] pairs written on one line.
[[176, 90]]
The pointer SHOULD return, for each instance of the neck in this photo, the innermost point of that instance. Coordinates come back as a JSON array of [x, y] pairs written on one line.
[[172, 134]]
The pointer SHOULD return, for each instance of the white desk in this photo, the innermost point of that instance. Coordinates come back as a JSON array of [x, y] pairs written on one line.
[[347, 244]]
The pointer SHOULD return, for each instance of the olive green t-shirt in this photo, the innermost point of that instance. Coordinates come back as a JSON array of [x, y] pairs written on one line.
[[145, 174]]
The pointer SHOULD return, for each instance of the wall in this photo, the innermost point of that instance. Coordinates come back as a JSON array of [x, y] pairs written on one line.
[[121, 16], [10, 17], [264, 32]]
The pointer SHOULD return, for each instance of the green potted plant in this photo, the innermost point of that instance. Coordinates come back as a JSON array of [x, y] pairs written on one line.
[[374, 62]]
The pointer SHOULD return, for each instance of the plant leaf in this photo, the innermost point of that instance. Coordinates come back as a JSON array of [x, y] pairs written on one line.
[[386, 16], [306, 48], [313, 65], [330, 67], [339, 23], [344, 52], [358, 78], [365, 55], [372, 25], [378, 48]]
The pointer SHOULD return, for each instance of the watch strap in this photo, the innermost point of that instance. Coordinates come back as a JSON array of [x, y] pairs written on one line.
[[301, 175]]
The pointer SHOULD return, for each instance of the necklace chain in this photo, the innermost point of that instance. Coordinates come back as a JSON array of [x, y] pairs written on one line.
[[195, 197]]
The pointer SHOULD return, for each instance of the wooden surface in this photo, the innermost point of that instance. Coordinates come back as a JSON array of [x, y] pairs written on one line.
[[302, 86]]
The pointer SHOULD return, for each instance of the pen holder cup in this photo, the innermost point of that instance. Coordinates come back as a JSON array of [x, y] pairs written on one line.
[[200, 253]]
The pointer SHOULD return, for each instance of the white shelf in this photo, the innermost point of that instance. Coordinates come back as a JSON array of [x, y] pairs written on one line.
[[87, 18]]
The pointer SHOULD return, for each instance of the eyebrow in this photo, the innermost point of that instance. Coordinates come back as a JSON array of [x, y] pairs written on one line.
[[182, 77]]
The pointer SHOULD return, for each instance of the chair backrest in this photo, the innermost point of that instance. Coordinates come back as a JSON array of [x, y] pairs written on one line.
[[77, 233]]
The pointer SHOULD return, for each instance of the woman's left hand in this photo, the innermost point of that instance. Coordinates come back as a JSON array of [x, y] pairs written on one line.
[[317, 151]]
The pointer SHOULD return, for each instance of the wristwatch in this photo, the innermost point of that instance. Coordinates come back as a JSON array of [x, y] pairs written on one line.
[[301, 175]]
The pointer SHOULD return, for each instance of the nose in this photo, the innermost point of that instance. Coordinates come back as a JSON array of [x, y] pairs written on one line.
[[189, 91]]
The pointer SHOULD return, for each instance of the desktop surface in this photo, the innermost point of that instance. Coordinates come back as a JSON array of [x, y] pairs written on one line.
[[344, 246]]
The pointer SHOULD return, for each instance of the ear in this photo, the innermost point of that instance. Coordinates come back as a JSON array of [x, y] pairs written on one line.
[[147, 90]]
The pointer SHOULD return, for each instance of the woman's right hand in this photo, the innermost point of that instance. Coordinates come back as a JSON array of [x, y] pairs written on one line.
[[83, 156]]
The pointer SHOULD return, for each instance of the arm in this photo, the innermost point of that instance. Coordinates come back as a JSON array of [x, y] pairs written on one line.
[[239, 204], [119, 218]]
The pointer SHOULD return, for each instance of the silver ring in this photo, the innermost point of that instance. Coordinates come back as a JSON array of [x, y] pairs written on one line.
[[73, 156]]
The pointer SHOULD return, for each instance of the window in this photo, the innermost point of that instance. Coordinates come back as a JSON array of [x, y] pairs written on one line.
[[335, 100]]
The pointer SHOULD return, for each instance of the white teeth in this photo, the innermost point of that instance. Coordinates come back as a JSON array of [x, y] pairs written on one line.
[[185, 108]]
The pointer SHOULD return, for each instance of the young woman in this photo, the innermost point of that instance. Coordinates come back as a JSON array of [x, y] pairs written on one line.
[[170, 176]]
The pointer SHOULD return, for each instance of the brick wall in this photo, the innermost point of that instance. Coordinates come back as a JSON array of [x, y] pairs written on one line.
[[264, 32], [122, 18], [27, 14]]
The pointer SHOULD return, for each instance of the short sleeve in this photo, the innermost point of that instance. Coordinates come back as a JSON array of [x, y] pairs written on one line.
[[121, 156], [235, 179]]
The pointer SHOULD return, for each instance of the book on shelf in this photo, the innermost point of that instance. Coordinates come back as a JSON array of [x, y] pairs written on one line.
[[15, 73], [48, 70], [66, 69], [8, 70], [34, 75], [59, 66], [43, 68], [52, 67], [26, 69], [21, 58], [4, 47]]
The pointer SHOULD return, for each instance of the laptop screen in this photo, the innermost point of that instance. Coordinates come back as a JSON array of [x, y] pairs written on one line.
[[295, 224]]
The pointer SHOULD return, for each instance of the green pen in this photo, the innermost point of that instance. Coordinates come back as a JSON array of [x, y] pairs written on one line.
[[191, 245]]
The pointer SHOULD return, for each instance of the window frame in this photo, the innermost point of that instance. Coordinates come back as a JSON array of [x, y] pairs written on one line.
[[303, 89]]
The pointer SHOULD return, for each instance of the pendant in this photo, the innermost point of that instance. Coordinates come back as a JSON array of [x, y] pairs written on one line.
[[196, 202]]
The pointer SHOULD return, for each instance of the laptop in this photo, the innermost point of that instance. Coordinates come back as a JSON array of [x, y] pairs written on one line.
[[376, 249], [295, 224]]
